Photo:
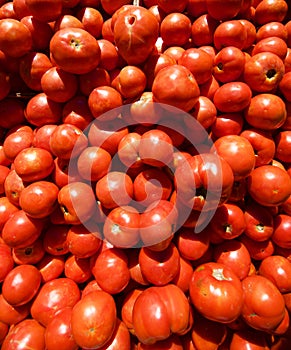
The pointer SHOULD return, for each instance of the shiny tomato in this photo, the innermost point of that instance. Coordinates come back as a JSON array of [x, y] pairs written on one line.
[[269, 185], [21, 284], [93, 319], [13, 314], [264, 305], [53, 296], [216, 292]]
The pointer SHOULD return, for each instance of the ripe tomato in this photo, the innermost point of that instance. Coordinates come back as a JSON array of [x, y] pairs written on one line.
[[216, 292], [264, 305], [94, 319], [21, 284], [75, 50], [269, 185]]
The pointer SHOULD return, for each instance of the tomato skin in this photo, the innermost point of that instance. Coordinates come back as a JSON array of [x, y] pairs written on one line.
[[210, 280], [269, 185], [58, 333], [54, 295], [216, 10], [281, 236], [75, 50], [21, 284], [135, 25], [93, 319], [264, 305], [26, 334], [20, 230], [248, 340], [6, 261], [111, 262]]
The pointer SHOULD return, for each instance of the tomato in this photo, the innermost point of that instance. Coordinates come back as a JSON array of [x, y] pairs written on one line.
[[216, 292], [93, 319], [271, 44], [7, 208], [15, 38], [26, 334], [7, 262], [52, 297], [33, 164], [263, 71], [114, 189], [31, 254], [131, 82], [265, 13], [20, 230], [183, 95], [231, 146], [50, 267], [13, 314], [264, 305], [228, 221], [121, 227], [78, 269], [269, 185], [16, 142], [21, 284], [232, 97], [215, 9], [76, 112], [39, 199], [42, 136], [73, 209], [135, 25], [58, 333], [248, 339], [175, 29], [75, 50], [120, 339], [235, 255], [43, 11], [281, 236], [111, 262]]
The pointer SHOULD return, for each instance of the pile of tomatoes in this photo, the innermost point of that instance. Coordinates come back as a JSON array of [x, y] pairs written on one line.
[[145, 177]]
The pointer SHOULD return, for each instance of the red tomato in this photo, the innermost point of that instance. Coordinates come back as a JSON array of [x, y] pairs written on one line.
[[175, 29], [33, 164], [12, 315], [75, 50], [230, 33], [120, 339], [58, 333], [132, 27], [216, 292], [281, 235], [121, 227], [31, 254], [232, 147], [111, 262], [16, 142], [26, 334], [159, 267], [264, 305], [94, 320], [51, 267], [269, 185], [217, 10], [248, 339], [7, 209], [39, 199], [6, 262], [184, 94], [43, 10], [52, 297], [21, 284], [235, 255]]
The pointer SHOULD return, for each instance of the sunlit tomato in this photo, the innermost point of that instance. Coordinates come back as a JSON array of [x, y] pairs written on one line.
[[33, 164], [16, 142], [281, 235], [71, 198], [232, 147], [20, 230], [271, 44], [230, 33], [258, 250], [265, 13], [184, 274], [28, 333], [151, 327], [120, 339], [30, 254], [183, 95], [76, 112], [15, 38], [21, 284], [58, 333], [75, 50], [42, 136], [216, 291], [132, 27], [93, 319], [13, 314], [165, 263], [7, 208], [282, 141], [232, 97], [175, 29], [40, 110], [50, 267], [228, 221], [6, 262], [264, 305], [39, 199], [234, 254], [269, 185], [78, 269], [52, 297], [111, 262], [263, 71]]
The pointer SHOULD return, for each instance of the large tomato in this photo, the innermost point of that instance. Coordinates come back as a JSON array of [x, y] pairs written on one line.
[[216, 292], [93, 320], [75, 50]]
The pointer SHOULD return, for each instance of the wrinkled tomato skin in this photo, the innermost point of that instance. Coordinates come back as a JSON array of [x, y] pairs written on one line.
[[212, 287]]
